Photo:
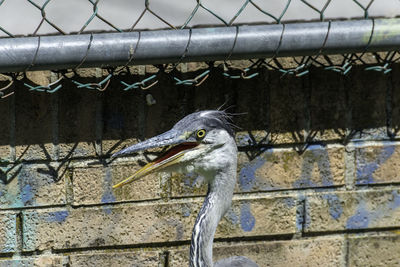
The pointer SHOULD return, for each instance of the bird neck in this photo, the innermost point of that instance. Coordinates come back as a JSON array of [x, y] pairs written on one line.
[[215, 205]]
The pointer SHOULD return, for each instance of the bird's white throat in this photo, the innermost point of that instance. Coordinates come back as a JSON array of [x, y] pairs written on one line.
[[221, 183]]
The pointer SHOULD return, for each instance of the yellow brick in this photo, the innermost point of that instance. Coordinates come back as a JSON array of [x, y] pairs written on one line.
[[128, 259], [32, 185], [93, 185], [316, 252], [352, 210], [40, 261], [8, 239], [286, 169], [374, 251], [378, 164]]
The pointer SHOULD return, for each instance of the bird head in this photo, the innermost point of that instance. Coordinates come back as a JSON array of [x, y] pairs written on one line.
[[201, 142]]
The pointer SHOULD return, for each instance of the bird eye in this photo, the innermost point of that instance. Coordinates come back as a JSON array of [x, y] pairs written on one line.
[[200, 134]]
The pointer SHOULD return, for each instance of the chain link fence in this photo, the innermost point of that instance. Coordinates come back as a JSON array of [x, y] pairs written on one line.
[[23, 18]]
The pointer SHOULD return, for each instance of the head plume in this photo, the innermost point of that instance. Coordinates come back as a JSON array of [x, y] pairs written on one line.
[[210, 118]]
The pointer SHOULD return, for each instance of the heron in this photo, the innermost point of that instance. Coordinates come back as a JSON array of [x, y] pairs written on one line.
[[202, 142]]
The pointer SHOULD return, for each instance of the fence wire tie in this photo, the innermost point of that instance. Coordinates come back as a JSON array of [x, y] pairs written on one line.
[[197, 81], [383, 68], [295, 71], [341, 69], [45, 88], [231, 76], [142, 84], [243, 74], [11, 82], [246, 76], [95, 86]]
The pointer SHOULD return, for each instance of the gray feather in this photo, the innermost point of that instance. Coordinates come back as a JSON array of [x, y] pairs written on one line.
[[236, 261]]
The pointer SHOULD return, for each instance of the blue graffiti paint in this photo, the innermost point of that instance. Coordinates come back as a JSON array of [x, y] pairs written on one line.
[[363, 217], [57, 216], [247, 220], [192, 179], [108, 195], [360, 219], [244, 140], [187, 181], [395, 203], [319, 155], [186, 210], [335, 205], [290, 202], [301, 212], [315, 147], [364, 173], [231, 216], [247, 175], [365, 169], [26, 194], [247, 180]]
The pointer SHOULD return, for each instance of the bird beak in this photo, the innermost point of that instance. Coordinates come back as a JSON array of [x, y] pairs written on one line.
[[169, 158]]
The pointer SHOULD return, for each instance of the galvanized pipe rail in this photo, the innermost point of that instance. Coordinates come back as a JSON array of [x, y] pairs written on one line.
[[198, 44]]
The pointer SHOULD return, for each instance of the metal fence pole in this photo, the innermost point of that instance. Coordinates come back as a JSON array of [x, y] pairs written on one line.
[[199, 44]]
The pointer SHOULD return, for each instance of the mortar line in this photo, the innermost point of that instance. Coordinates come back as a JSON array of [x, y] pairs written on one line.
[[347, 250], [267, 77], [350, 168], [178, 243], [99, 126], [300, 215], [141, 118], [389, 105], [348, 108], [69, 189], [164, 258], [306, 85], [351, 231], [13, 155], [54, 117], [19, 233], [99, 118]]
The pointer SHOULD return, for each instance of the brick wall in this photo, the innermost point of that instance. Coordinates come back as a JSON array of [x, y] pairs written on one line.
[[318, 175]]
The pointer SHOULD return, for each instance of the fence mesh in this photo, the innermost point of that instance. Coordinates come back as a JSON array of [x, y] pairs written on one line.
[[33, 18]]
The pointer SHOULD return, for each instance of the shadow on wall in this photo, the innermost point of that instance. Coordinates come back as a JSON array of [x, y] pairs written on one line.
[[322, 106]]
